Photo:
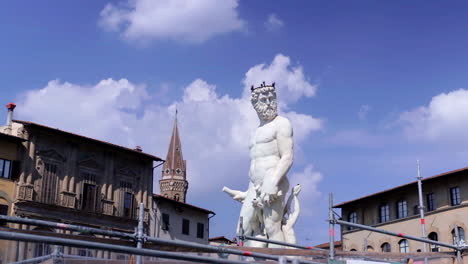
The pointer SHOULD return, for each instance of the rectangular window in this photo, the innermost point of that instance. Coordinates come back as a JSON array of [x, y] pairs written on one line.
[[384, 213], [455, 196], [128, 205], [5, 168], [402, 209], [89, 197], [3, 211], [49, 183], [430, 201], [200, 230], [185, 226], [165, 222]]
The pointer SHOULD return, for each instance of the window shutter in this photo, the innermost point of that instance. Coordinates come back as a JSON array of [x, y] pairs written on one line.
[[15, 170]]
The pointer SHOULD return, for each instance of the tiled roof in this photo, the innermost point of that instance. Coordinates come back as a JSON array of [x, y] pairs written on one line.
[[27, 123], [157, 196], [340, 205]]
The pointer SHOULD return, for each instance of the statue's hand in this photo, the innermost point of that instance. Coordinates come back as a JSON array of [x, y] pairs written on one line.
[[269, 192], [268, 198]]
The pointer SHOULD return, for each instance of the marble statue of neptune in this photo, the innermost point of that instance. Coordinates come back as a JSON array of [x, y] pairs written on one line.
[[264, 210]]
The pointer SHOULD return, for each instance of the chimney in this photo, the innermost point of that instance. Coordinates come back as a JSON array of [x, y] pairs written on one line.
[[138, 148], [10, 107]]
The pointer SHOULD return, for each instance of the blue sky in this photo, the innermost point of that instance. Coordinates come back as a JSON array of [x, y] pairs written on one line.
[[370, 86]]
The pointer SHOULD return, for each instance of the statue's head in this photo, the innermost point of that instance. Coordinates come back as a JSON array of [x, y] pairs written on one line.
[[264, 101]]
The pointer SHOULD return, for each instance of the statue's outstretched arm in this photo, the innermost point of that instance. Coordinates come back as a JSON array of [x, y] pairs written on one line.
[[235, 194]]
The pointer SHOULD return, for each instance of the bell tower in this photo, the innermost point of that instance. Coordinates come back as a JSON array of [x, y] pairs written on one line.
[[173, 184]]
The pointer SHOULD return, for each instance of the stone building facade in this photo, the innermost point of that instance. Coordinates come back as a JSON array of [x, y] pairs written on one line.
[[445, 199], [65, 177], [176, 220]]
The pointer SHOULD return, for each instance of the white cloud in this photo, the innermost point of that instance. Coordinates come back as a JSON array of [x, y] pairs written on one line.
[[363, 111], [444, 119], [309, 178], [193, 21], [273, 23], [290, 81], [199, 91]]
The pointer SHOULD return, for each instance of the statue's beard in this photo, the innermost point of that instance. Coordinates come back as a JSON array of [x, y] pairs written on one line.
[[266, 112]]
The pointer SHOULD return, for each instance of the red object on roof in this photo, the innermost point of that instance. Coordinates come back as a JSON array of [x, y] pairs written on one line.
[[27, 123], [11, 106]]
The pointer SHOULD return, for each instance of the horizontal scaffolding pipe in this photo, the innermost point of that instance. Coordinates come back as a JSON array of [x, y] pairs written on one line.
[[82, 229], [122, 249], [282, 243], [160, 241], [424, 240], [34, 260], [217, 249]]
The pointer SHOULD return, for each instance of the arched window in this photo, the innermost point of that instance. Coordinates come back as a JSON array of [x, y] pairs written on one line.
[[385, 247], [176, 197], [461, 233], [433, 236], [404, 247], [370, 249], [352, 217], [353, 249]]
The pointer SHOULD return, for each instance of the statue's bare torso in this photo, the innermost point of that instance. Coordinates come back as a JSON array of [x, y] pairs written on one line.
[[264, 152]]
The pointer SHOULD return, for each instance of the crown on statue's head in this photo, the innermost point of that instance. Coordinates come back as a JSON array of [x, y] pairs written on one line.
[[263, 88]]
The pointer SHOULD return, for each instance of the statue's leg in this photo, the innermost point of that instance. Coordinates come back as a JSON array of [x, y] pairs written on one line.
[[272, 216], [247, 213]]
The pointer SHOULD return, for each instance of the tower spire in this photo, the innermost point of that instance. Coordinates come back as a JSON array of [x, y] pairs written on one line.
[[173, 184]]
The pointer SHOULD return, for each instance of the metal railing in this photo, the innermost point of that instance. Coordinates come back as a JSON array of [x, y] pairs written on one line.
[[139, 237]]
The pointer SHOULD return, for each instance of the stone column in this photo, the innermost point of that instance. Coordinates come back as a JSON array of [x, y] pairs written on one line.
[[32, 159], [111, 177], [72, 168]]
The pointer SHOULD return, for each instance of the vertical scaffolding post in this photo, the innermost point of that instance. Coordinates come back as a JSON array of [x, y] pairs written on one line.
[[331, 217], [141, 216], [421, 210], [241, 232], [457, 241]]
